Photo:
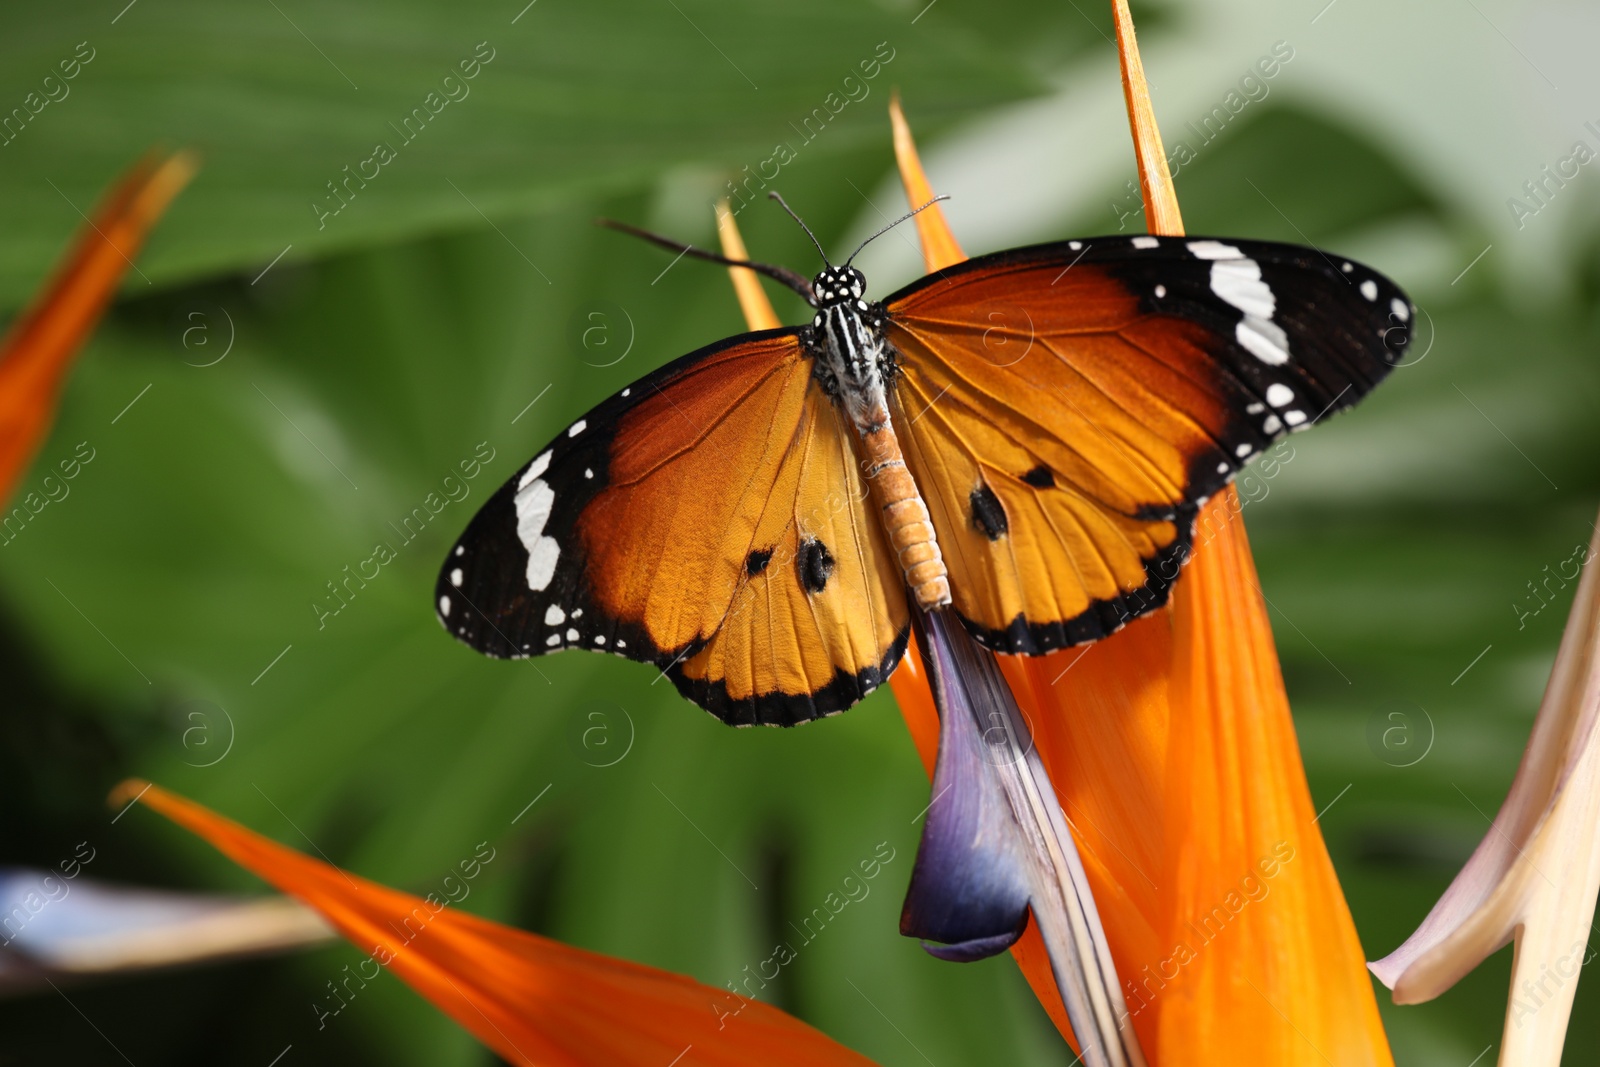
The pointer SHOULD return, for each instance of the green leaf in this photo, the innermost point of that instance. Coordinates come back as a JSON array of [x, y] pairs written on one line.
[[465, 112]]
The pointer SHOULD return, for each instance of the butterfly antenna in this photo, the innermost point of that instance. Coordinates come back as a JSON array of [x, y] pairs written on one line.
[[785, 205], [892, 225], [778, 274]]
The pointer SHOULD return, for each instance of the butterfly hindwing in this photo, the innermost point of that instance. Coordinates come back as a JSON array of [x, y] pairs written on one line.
[[702, 520], [821, 566], [1065, 408]]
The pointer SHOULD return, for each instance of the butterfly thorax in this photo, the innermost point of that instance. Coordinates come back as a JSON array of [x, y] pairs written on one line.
[[852, 356], [853, 362]]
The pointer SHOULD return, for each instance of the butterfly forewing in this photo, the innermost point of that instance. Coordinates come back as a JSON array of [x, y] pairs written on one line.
[[702, 521], [1067, 407]]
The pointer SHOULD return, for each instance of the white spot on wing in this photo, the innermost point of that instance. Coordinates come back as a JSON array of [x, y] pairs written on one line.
[[533, 503], [1238, 281], [1401, 311], [1264, 340], [553, 640], [599, 639], [1222, 468], [1255, 409], [536, 469], [1074, 245], [455, 577], [1244, 450], [1369, 289], [1279, 394], [1213, 250], [1295, 417], [576, 428], [626, 391], [1146, 242], [1161, 291], [542, 563], [444, 605], [1271, 425], [461, 549], [572, 635], [554, 616]]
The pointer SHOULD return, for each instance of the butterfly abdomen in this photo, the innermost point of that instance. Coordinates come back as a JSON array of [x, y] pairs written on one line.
[[906, 518], [851, 354]]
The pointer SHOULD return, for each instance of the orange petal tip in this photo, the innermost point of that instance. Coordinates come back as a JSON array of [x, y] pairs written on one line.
[[758, 313], [126, 792], [39, 346], [939, 246]]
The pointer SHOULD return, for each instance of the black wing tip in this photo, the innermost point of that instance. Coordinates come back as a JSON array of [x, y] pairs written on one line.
[[842, 692]]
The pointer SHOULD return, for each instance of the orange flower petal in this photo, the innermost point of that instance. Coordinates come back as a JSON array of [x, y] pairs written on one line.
[[939, 247], [1155, 181], [1279, 983], [753, 300], [912, 692], [38, 349], [1283, 981], [530, 999], [910, 682], [1174, 755]]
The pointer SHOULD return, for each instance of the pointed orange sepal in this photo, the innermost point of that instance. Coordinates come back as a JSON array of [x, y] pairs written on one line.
[[1174, 756], [1284, 982], [939, 247], [38, 348], [753, 300], [1155, 179], [532, 1000]]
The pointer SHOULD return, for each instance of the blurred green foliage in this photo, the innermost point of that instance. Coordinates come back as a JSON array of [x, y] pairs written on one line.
[[179, 574]]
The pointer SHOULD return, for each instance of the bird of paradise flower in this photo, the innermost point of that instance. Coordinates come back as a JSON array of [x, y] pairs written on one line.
[[1174, 758]]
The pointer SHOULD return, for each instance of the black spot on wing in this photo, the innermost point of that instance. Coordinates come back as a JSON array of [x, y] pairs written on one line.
[[757, 561], [1040, 478], [988, 514], [814, 564]]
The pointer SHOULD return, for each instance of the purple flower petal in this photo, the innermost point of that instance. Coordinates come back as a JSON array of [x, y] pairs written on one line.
[[969, 885]]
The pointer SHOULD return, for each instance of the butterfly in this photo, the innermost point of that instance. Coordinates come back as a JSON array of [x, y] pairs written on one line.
[[1024, 439]]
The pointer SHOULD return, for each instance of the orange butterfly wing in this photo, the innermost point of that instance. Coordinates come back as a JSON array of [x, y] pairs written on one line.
[[1066, 408], [709, 520]]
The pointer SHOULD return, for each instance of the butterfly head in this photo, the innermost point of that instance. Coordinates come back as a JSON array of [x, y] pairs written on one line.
[[838, 285]]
